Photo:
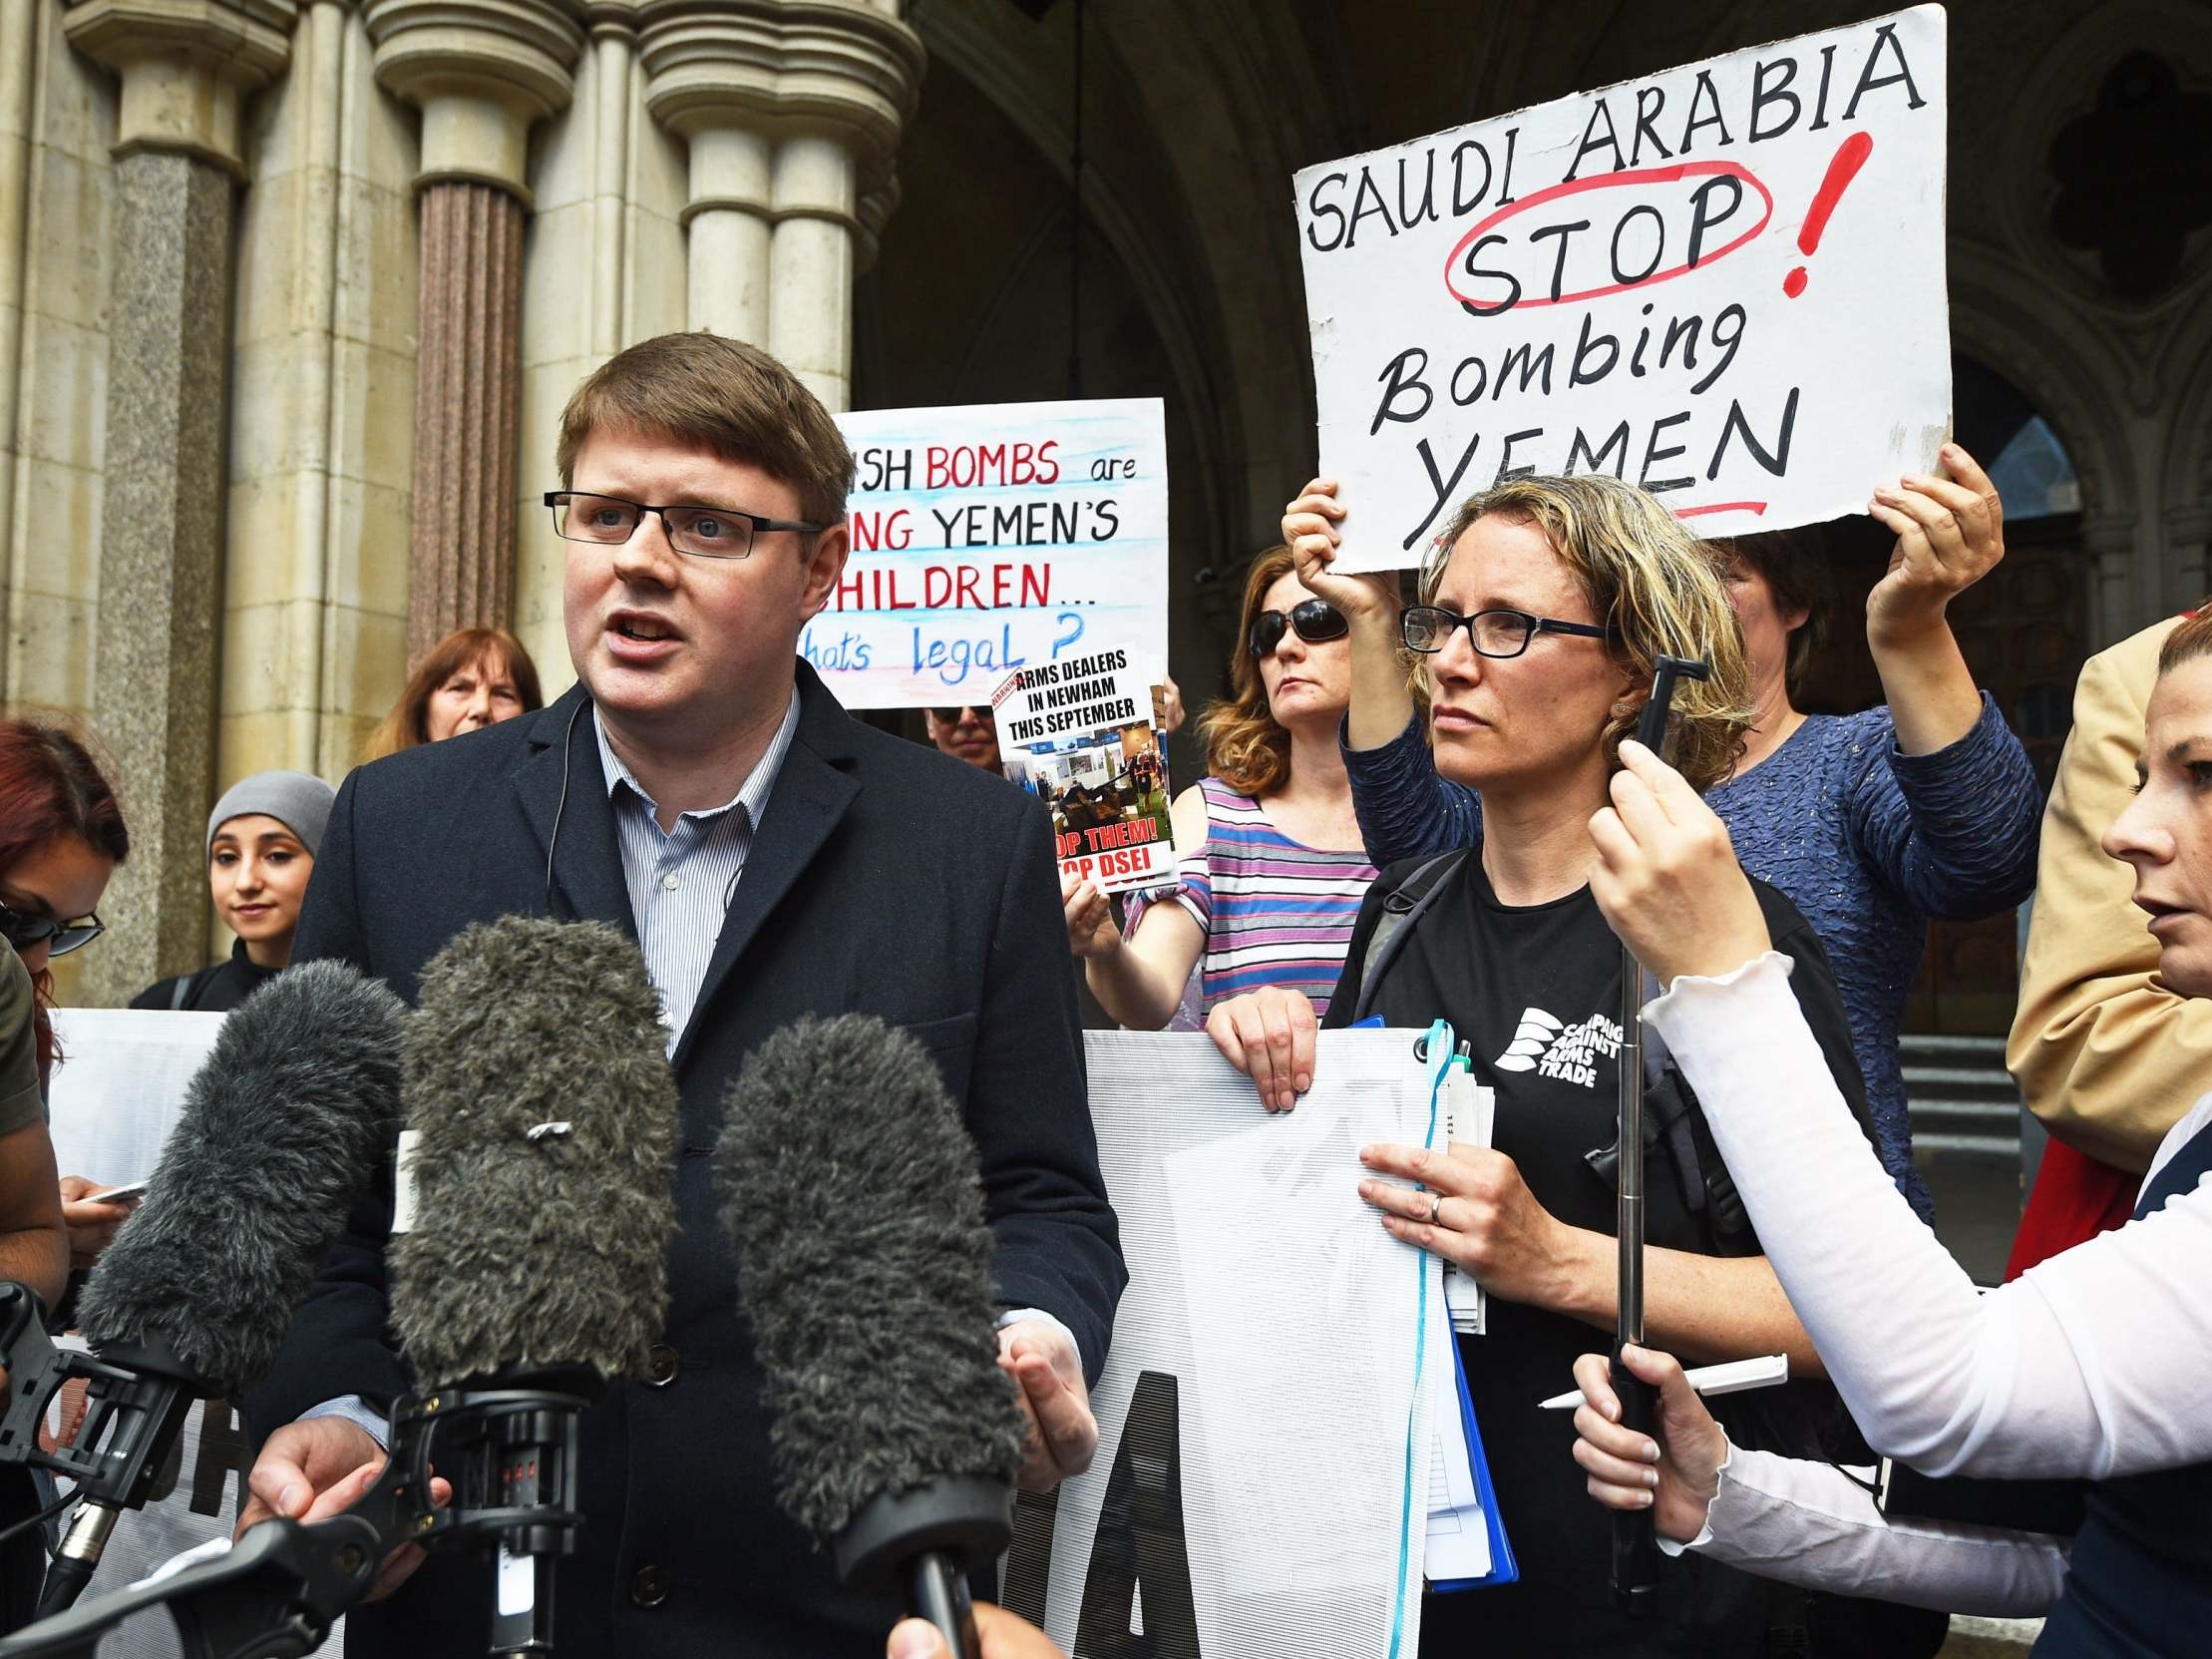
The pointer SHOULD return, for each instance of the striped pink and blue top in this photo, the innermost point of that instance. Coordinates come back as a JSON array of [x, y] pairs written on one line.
[[1275, 911]]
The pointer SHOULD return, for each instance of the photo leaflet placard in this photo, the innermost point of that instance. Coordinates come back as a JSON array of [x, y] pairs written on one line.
[[1082, 735]]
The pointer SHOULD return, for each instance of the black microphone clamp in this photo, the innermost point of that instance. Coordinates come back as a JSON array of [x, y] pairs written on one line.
[[924, 1542], [510, 1457], [136, 1401], [1651, 726]]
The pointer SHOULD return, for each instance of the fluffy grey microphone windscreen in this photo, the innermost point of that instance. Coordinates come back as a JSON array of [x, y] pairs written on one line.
[[537, 1078], [281, 1127], [849, 1185]]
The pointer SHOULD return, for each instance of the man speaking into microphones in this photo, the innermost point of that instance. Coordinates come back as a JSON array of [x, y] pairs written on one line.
[[700, 790]]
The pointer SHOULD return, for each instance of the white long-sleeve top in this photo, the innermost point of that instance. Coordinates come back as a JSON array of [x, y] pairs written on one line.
[[1812, 1526], [2090, 1365]]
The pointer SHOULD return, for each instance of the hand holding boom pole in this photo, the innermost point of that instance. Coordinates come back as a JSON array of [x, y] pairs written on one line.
[[1634, 1548]]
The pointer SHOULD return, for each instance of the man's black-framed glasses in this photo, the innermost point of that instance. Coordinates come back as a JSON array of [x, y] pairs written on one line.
[[1428, 628], [702, 532], [1314, 621], [27, 932]]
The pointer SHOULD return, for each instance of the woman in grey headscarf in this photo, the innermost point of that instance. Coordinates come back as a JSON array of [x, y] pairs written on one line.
[[261, 842]]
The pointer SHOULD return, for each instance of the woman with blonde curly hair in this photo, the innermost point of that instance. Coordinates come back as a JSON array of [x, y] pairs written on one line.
[[1871, 822], [1271, 871], [1540, 622]]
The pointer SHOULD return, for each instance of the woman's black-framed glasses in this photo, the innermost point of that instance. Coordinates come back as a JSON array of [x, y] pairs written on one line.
[[1428, 628], [27, 931], [1314, 621], [702, 532]]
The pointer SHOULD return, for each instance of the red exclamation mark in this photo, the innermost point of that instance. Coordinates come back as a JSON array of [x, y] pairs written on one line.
[[1850, 155]]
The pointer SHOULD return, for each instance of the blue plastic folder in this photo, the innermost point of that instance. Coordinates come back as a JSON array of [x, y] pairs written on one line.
[[1503, 1568]]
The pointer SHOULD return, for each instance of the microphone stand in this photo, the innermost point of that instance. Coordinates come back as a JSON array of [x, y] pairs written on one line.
[[1634, 1582], [136, 1401], [510, 1456]]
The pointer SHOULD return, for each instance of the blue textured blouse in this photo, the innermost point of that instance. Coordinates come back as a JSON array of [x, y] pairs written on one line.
[[1867, 841]]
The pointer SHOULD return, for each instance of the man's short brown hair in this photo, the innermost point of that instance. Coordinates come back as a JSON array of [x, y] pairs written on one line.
[[723, 396]]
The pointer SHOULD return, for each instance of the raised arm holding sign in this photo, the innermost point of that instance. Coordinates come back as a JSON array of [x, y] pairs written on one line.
[[1805, 183]]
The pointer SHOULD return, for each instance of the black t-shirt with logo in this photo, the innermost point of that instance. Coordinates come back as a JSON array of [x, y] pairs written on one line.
[[1536, 991]]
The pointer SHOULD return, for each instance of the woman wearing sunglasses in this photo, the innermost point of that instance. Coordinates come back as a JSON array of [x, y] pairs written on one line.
[[967, 733], [1540, 622], [1871, 822], [61, 838], [1271, 871]]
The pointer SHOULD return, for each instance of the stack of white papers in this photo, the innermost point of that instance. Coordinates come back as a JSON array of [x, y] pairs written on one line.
[[1278, 1512]]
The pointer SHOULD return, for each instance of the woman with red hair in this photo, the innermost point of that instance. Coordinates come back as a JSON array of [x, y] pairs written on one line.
[[61, 838], [472, 678]]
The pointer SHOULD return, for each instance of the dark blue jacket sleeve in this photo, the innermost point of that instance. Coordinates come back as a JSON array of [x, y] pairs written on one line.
[[1953, 831], [1059, 1245], [1405, 807]]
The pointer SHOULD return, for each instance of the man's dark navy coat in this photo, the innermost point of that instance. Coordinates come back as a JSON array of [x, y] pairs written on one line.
[[884, 879]]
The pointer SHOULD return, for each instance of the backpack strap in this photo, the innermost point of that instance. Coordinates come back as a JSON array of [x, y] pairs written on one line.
[[1727, 1219], [1403, 907], [187, 993], [1674, 1119]]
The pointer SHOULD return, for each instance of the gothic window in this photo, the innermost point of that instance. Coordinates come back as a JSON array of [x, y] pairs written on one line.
[[2135, 175]]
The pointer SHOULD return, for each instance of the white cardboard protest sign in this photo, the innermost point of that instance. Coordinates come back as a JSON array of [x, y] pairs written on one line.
[[993, 538], [1249, 1499], [1724, 283]]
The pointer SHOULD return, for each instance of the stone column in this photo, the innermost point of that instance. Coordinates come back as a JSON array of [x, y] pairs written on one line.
[[18, 51], [728, 229], [613, 26], [2188, 555], [185, 66], [2115, 556], [792, 113], [482, 71]]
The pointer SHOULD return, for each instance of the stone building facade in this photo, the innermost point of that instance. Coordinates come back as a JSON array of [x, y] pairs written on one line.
[[291, 292]]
